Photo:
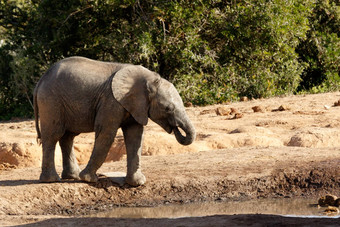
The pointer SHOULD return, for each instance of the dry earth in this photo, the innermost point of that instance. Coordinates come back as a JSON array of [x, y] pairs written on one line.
[[289, 147]]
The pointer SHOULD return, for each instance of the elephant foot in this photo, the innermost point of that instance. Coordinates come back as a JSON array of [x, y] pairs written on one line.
[[88, 177], [49, 176], [136, 179], [70, 174]]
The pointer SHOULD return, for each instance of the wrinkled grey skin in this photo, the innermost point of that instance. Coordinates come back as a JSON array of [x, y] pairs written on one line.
[[81, 95]]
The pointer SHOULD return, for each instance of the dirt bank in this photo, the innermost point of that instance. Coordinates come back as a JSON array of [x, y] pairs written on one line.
[[289, 148]]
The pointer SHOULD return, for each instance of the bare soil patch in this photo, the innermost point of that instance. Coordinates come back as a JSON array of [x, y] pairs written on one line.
[[276, 152]]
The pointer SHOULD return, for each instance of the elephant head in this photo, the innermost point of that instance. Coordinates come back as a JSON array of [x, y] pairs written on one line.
[[144, 94]]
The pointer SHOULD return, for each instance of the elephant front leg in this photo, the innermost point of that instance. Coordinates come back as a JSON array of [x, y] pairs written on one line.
[[102, 146], [133, 137]]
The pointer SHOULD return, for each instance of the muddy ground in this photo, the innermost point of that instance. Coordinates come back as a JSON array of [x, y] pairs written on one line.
[[268, 148]]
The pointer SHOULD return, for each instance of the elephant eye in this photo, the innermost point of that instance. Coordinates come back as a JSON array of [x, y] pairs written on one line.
[[170, 108]]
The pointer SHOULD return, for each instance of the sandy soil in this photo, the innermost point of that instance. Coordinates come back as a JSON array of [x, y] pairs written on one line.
[[278, 147]]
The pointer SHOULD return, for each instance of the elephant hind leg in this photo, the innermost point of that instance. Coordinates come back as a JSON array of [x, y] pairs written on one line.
[[48, 171], [71, 169]]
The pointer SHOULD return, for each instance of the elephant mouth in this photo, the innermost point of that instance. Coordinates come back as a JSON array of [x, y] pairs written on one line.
[[184, 135], [167, 128]]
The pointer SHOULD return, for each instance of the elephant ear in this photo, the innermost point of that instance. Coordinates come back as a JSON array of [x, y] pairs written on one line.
[[132, 87]]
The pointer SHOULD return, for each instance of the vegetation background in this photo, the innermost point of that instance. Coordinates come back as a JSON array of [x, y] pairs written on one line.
[[213, 51]]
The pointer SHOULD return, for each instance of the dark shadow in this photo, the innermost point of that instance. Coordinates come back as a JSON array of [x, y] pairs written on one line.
[[106, 182], [16, 120], [17, 182], [103, 182], [28, 182], [218, 220]]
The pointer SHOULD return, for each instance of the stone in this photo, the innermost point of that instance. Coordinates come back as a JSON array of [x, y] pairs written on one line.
[[238, 116], [223, 111], [327, 200], [244, 99], [337, 103], [188, 104], [331, 210], [282, 108], [257, 109]]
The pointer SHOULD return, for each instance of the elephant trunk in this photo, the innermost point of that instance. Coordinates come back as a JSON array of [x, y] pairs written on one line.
[[190, 133]]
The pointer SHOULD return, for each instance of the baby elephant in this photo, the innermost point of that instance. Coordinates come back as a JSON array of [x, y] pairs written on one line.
[[82, 95]]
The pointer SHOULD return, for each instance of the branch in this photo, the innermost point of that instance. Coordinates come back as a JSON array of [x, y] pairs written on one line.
[[74, 13]]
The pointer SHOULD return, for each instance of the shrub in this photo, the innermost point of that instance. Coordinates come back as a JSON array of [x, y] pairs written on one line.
[[321, 50], [213, 51]]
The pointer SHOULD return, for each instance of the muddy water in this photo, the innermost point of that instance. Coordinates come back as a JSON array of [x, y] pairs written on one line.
[[290, 207]]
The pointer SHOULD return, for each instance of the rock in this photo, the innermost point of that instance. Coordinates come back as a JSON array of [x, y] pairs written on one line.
[[223, 111], [337, 103], [188, 104], [327, 200], [326, 107], [237, 116], [234, 114], [257, 109], [315, 137], [209, 111], [244, 99], [233, 110], [18, 148], [282, 108], [337, 202], [6, 166], [331, 210]]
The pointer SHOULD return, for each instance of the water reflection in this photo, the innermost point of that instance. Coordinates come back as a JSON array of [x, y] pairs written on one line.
[[291, 207]]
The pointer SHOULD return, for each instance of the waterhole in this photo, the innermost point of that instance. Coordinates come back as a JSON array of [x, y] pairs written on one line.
[[297, 207]]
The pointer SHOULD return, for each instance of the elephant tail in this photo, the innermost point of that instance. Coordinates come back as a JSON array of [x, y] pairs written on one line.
[[36, 115]]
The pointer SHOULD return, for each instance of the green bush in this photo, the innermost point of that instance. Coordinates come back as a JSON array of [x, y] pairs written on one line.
[[213, 51], [259, 46], [321, 50]]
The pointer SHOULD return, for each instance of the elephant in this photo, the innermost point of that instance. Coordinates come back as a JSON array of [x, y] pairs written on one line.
[[78, 95]]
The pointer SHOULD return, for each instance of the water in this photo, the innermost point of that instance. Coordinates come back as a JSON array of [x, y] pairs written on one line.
[[297, 207]]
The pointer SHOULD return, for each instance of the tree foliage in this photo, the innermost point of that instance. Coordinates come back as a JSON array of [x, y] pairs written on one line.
[[213, 51], [321, 49]]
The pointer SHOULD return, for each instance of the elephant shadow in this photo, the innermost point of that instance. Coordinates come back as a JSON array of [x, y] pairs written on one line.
[[111, 181], [13, 183], [103, 182], [10, 183]]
